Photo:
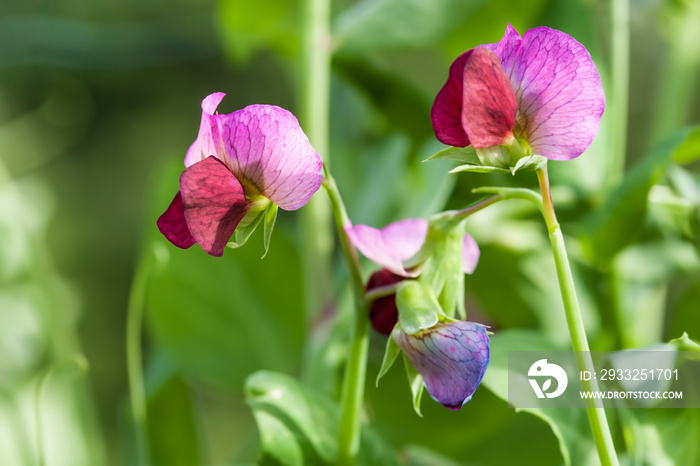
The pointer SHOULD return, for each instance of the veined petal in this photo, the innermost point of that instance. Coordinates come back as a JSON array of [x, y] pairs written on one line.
[[446, 113], [452, 358], [391, 245], [556, 83], [213, 203], [266, 149], [470, 254], [173, 225], [488, 101], [204, 146]]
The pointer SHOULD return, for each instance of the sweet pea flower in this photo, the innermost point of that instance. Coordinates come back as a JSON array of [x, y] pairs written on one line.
[[539, 94], [240, 164], [389, 247], [451, 357]]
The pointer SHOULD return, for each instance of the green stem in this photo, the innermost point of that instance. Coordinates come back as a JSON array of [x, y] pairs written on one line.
[[137, 297], [620, 69], [43, 378], [594, 408], [314, 91], [356, 370]]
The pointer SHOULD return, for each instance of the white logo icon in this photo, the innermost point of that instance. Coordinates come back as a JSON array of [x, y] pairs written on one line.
[[542, 368]]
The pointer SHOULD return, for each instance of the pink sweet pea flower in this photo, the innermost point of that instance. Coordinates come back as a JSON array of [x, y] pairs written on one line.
[[542, 89], [240, 162], [389, 247]]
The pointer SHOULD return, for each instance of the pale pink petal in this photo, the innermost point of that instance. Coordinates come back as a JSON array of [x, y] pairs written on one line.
[[205, 146], [560, 98], [470, 254], [393, 244], [213, 203], [266, 149]]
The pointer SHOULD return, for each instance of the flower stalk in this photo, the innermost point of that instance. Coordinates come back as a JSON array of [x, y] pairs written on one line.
[[356, 370], [594, 407]]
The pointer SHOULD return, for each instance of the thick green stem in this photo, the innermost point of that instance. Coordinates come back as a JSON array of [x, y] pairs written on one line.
[[355, 373], [594, 407], [620, 68], [314, 92], [134, 321]]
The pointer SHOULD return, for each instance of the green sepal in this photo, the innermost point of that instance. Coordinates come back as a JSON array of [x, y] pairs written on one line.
[[417, 305], [479, 169], [390, 354], [415, 381], [443, 272], [242, 234], [268, 226], [460, 154]]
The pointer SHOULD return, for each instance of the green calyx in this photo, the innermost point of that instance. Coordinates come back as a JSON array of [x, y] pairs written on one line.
[[259, 208]]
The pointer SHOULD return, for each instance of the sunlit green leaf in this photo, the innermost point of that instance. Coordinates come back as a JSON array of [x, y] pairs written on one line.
[[465, 155], [269, 226]]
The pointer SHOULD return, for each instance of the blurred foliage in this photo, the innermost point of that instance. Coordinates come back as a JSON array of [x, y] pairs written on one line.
[[100, 100]]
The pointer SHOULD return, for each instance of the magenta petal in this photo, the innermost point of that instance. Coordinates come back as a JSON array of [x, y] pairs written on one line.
[[560, 98], [214, 203], [488, 101], [205, 145], [173, 225], [446, 113], [470, 254], [452, 358], [391, 245]]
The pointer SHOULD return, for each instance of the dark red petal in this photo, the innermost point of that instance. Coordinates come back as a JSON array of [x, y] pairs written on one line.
[[383, 312], [173, 225], [214, 203], [446, 113], [489, 103]]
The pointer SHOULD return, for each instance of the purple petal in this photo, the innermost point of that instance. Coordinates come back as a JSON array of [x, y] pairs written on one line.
[[446, 114], [470, 254], [173, 225], [391, 245], [452, 358], [488, 102], [204, 146], [560, 98], [213, 203]]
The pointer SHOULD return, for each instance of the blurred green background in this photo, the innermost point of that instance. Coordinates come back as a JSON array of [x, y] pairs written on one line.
[[99, 102]]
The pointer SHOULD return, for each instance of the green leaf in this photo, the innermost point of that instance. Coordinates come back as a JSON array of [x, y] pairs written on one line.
[[415, 381], [684, 343], [390, 354], [689, 150], [206, 312], [479, 169], [620, 221], [277, 440], [172, 429], [460, 154], [372, 25], [300, 425], [270, 218], [418, 307], [570, 426]]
